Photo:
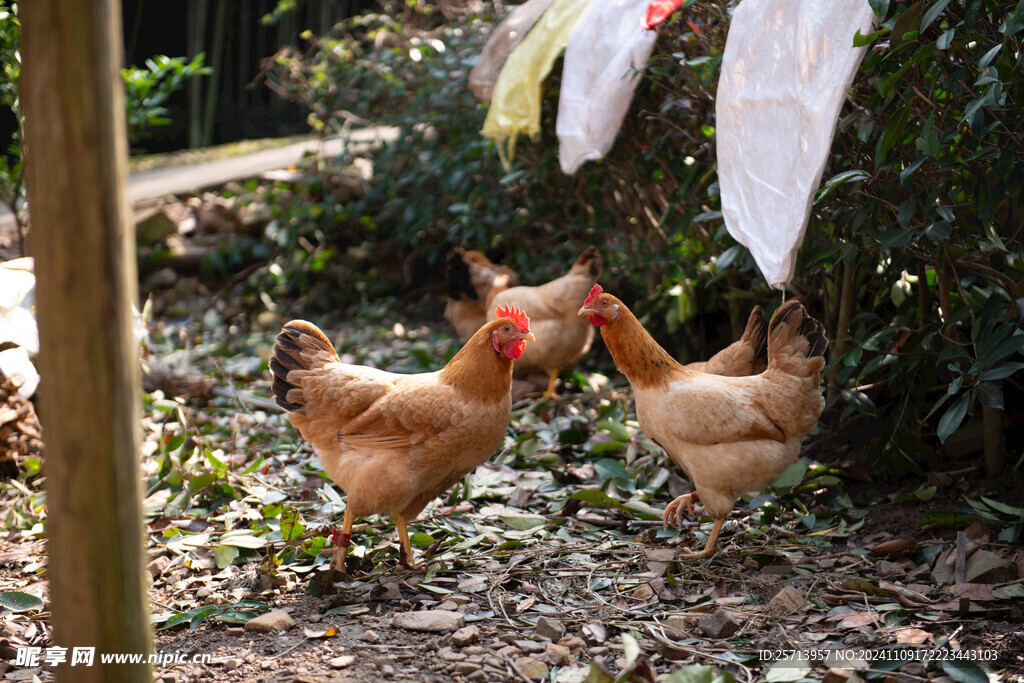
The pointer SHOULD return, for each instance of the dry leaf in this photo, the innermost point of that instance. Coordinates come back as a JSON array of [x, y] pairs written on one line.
[[896, 546], [859, 619], [915, 636]]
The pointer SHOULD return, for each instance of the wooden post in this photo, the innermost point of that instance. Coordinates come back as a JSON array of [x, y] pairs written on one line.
[[83, 241]]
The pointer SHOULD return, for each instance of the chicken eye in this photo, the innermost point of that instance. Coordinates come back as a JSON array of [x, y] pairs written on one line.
[[506, 329]]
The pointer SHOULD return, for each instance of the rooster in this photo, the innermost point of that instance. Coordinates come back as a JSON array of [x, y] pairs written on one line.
[[563, 336], [472, 282], [395, 442], [729, 435]]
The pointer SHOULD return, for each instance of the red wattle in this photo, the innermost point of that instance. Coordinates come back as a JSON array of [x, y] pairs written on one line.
[[597, 320], [514, 350]]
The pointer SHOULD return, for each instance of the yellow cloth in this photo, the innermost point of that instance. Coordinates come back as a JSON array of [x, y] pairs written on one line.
[[515, 104]]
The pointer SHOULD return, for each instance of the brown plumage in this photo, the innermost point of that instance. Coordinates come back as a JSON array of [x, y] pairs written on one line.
[[562, 337], [748, 355], [395, 442], [729, 435], [472, 282]]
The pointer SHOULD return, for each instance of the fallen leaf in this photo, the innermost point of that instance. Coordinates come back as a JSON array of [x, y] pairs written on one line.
[[915, 636], [896, 546], [320, 633], [859, 619]]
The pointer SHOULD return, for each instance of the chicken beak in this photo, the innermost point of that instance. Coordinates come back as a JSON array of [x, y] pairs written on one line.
[[586, 311], [529, 337]]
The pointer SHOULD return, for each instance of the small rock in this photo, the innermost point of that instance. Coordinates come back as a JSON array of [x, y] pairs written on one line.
[[595, 632], [574, 643], [466, 668], [278, 620], [449, 655], [531, 668], [552, 629], [891, 568], [448, 606], [530, 646], [232, 664], [157, 566], [786, 601], [480, 676], [459, 599], [342, 661], [837, 675], [826, 563], [429, 620], [750, 563], [370, 637], [387, 671], [555, 655], [719, 624], [235, 631], [466, 636], [509, 651]]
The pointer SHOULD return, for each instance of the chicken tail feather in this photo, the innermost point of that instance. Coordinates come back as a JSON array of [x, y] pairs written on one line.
[[300, 346], [796, 340], [756, 335]]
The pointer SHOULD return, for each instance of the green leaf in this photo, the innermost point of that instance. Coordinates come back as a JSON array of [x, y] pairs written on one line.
[[932, 13], [793, 475], [945, 39], [617, 430], [291, 524], [607, 468], [951, 419], [964, 671], [786, 671], [595, 497], [699, 673], [421, 539], [524, 522], [987, 58], [224, 555], [17, 601], [242, 538], [879, 7]]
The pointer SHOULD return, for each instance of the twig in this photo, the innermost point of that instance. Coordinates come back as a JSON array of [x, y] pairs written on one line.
[[660, 637]]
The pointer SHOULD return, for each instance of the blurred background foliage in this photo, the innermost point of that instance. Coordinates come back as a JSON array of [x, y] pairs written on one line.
[[912, 257]]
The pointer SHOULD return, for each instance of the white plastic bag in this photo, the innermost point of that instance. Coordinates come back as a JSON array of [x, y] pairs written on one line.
[[606, 48], [515, 104], [503, 39], [787, 67]]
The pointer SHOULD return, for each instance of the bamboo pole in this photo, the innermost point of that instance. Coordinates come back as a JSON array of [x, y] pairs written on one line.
[[83, 241]]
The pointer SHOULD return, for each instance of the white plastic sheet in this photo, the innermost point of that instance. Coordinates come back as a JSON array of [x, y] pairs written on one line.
[[515, 104], [787, 67], [606, 48], [503, 39]]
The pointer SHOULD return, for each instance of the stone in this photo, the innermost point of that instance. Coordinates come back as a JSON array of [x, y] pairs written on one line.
[[232, 663], [574, 643], [466, 668], [342, 661], [448, 606], [278, 620], [530, 646], [157, 566], [555, 655], [466, 635], [370, 636], [719, 624], [430, 620], [532, 669], [786, 601], [552, 629]]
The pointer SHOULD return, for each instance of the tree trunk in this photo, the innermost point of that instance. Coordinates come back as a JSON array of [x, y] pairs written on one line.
[[83, 241]]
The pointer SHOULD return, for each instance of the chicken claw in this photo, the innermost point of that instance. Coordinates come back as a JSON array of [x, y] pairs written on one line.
[[710, 548], [674, 511]]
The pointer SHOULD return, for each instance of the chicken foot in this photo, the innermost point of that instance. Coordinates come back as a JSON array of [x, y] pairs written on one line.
[[550, 391], [711, 547], [674, 515], [674, 511], [342, 540]]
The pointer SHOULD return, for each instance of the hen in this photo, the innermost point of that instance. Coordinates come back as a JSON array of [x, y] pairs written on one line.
[[563, 336], [748, 355], [472, 281], [730, 435], [395, 442]]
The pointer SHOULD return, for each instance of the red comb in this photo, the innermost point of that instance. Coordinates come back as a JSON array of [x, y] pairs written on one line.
[[517, 315], [594, 291]]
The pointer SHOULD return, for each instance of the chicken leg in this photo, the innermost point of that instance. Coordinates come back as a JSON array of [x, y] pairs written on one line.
[[403, 537], [342, 541], [552, 378], [711, 547]]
